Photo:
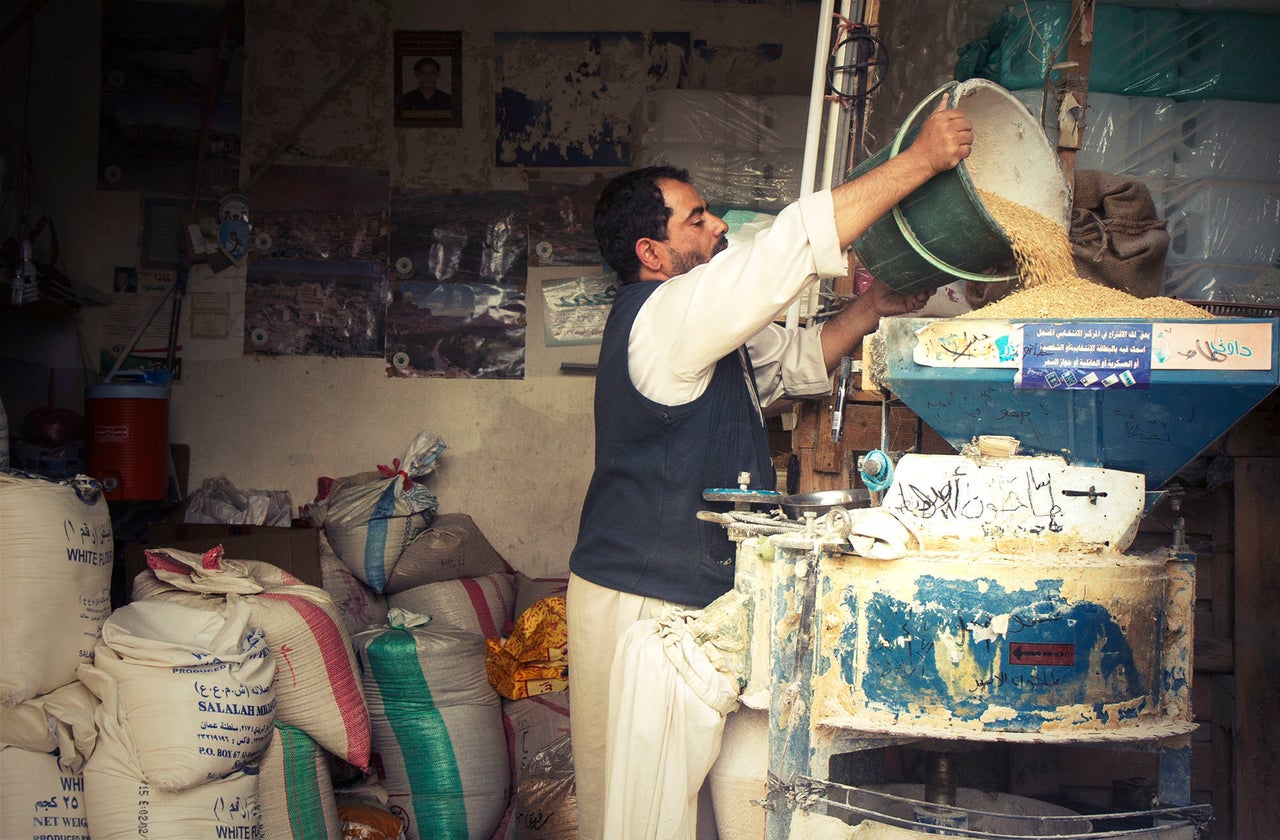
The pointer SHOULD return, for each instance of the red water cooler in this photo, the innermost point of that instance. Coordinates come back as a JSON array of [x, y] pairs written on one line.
[[127, 439]]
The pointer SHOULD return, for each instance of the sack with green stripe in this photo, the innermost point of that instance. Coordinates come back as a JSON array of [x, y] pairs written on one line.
[[295, 789], [439, 748]]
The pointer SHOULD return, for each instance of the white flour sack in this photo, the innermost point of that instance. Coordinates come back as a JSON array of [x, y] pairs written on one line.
[[482, 605], [317, 684], [56, 551], [60, 722], [369, 524], [122, 806], [295, 789], [439, 747], [38, 799], [189, 689]]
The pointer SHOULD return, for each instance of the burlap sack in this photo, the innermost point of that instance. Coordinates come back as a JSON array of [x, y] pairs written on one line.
[[1117, 238]]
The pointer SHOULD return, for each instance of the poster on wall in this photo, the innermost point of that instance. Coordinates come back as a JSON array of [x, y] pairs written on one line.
[[314, 308], [459, 266], [427, 68], [560, 227], [157, 65], [319, 213], [478, 237], [141, 305], [564, 98], [575, 309], [455, 330]]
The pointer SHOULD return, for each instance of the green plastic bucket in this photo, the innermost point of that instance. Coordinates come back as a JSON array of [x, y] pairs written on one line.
[[941, 232]]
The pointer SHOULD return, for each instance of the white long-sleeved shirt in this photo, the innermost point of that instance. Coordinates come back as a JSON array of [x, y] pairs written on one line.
[[698, 317]]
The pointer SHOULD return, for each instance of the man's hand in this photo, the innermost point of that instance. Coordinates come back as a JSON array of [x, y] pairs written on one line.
[[843, 332], [945, 139], [885, 301]]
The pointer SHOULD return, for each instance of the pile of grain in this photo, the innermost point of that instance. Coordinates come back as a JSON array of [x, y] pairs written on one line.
[[1076, 297], [1051, 288]]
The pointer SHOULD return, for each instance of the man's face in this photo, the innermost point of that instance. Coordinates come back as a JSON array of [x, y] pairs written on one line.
[[694, 235], [427, 76]]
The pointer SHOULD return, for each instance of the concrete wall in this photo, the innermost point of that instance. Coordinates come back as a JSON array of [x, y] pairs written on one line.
[[519, 453]]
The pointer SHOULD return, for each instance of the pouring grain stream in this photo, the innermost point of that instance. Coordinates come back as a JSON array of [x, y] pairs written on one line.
[[1051, 287]]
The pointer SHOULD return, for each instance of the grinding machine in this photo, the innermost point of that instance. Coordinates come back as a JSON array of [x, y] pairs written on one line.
[[992, 595]]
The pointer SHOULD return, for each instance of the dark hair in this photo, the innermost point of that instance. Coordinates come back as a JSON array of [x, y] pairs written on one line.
[[426, 59], [631, 208]]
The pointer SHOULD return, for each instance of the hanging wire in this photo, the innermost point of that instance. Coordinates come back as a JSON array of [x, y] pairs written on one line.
[[866, 60]]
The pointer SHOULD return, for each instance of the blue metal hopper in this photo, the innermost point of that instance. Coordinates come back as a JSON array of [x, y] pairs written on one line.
[[1140, 396]]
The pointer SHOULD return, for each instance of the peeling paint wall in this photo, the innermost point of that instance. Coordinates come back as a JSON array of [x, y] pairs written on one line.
[[319, 91]]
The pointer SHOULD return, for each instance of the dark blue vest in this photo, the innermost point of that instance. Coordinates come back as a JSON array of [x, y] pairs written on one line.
[[639, 531]]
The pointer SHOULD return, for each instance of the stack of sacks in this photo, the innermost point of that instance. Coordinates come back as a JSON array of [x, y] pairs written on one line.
[[187, 709], [56, 553], [321, 709], [44, 743], [535, 714], [370, 519], [439, 746]]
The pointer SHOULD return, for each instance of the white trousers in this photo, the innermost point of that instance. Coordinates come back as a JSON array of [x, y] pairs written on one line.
[[597, 618]]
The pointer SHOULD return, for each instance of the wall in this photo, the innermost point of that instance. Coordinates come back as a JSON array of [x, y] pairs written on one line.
[[519, 453]]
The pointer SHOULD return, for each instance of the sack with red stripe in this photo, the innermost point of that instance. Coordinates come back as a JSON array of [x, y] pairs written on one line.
[[481, 605], [317, 682]]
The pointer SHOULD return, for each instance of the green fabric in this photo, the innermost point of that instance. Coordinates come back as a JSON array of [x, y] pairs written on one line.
[[306, 817], [436, 785]]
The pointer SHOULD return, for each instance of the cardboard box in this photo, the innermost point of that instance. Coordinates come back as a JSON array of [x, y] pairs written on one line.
[[296, 550]]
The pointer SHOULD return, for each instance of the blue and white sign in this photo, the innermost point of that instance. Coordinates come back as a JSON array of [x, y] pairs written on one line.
[[1085, 355]]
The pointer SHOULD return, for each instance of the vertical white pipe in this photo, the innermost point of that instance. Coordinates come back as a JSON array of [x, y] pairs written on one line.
[[813, 128]]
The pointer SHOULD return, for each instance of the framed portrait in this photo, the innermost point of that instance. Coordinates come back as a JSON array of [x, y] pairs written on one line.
[[428, 79]]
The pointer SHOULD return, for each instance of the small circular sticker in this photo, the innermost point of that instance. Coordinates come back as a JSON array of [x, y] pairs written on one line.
[[404, 266], [400, 360], [258, 336], [544, 249]]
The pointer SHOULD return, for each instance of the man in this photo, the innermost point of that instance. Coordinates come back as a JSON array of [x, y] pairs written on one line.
[[426, 97], [689, 355]]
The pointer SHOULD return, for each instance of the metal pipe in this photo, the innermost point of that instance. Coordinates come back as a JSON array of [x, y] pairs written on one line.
[[813, 132]]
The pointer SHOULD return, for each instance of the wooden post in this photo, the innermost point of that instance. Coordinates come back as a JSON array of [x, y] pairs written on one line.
[[1075, 86]]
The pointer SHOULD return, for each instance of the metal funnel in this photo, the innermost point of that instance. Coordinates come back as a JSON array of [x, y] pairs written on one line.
[[1140, 396]]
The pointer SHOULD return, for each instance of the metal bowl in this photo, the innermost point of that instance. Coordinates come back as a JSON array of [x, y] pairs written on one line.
[[797, 505]]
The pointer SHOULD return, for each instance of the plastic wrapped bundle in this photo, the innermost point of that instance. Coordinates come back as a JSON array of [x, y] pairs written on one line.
[[1125, 135], [1135, 51], [1218, 138]]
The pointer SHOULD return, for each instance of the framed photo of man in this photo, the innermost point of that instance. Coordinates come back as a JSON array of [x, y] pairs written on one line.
[[428, 79]]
